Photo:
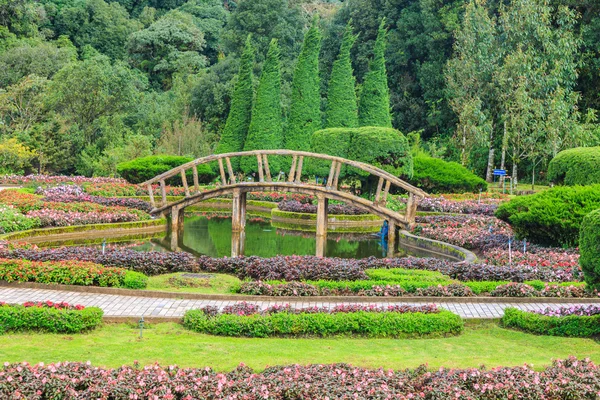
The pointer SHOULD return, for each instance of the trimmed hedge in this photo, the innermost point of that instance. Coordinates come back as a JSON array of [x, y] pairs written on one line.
[[589, 248], [371, 324], [47, 319], [70, 273], [144, 168], [552, 217], [572, 325], [438, 176], [578, 166]]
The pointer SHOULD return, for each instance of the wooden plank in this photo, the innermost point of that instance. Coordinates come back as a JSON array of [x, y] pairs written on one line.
[[378, 191], [336, 177], [151, 194], [411, 209], [331, 172], [222, 171], [163, 193], [386, 191], [261, 176], [196, 183], [230, 170], [299, 170], [184, 181], [267, 169], [293, 168]]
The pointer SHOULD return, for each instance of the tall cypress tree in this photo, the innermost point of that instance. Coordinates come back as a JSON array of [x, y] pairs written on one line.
[[305, 111], [342, 108], [238, 120], [374, 106], [266, 131]]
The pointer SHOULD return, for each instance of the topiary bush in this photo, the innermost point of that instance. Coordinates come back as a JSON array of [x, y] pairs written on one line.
[[142, 169], [552, 217], [589, 248], [578, 166], [434, 175], [567, 325], [385, 148]]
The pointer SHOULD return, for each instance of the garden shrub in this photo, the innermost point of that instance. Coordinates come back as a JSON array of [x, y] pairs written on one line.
[[434, 175], [145, 168], [573, 379], [578, 166], [552, 217], [70, 273], [364, 323], [45, 317], [12, 220], [589, 248], [385, 148], [514, 289], [568, 325]]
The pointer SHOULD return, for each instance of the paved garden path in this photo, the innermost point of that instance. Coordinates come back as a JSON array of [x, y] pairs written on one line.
[[131, 306]]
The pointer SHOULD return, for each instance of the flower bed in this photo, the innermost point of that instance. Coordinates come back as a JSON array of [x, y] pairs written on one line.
[[11, 220], [70, 273], [570, 322], [441, 204], [48, 317], [55, 179], [68, 218], [247, 320], [565, 379], [76, 194], [334, 209]]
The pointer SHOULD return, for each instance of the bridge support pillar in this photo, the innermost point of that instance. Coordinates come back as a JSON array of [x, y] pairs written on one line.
[[391, 239], [176, 227], [238, 212], [238, 241], [322, 203]]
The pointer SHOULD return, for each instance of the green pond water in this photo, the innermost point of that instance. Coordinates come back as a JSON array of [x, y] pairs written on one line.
[[212, 236]]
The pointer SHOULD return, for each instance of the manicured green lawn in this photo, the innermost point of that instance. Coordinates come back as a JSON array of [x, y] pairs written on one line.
[[169, 343], [217, 284]]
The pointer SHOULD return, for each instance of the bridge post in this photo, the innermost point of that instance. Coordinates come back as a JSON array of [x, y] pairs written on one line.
[[238, 241], [391, 239], [322, 203], [238, 212], [176, 227]]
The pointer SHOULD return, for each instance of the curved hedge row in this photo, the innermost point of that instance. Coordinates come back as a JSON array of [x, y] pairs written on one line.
[[578, 166], [589, 248], [48, 319], [372, 324], [571, 325], [552, 217], [434, 175]]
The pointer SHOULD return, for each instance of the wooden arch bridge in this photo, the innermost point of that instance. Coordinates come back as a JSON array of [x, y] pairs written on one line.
[[229, 185]]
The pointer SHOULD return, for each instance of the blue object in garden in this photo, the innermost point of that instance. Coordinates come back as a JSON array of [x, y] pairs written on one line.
[[384, 230], [499, 172]]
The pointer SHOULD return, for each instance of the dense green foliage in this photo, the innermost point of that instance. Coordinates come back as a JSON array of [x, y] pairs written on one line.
[[589, 248], [266, 130], [145, 168], [572, 325], [236, 128], [374, 105], [552, 217], [387, 324], [438, 176], [11, 220], [305, 109], [46, 319], [342, 107], [578, 166], [386, 148]]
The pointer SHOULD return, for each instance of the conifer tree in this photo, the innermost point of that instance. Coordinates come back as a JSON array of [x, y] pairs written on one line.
[[265, 130], [238, 120], [342, 108], [305, 111], [374, 106]]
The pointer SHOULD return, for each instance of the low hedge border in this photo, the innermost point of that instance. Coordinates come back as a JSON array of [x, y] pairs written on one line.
[[385, 324], [572, 325], [82, 228], [44, 319]]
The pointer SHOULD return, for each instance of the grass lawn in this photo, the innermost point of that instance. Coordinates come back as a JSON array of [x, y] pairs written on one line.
[[169, 343], [216, 284]]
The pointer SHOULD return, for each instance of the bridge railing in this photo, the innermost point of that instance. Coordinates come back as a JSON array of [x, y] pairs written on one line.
[[228, 177]]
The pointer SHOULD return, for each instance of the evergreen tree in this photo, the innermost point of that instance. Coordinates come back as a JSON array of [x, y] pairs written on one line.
[[305, 112], [374, 107], [238, 120], [342, 108], [265, 130]]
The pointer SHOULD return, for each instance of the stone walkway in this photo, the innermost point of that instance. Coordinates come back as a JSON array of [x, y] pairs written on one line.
[[130, 306]]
